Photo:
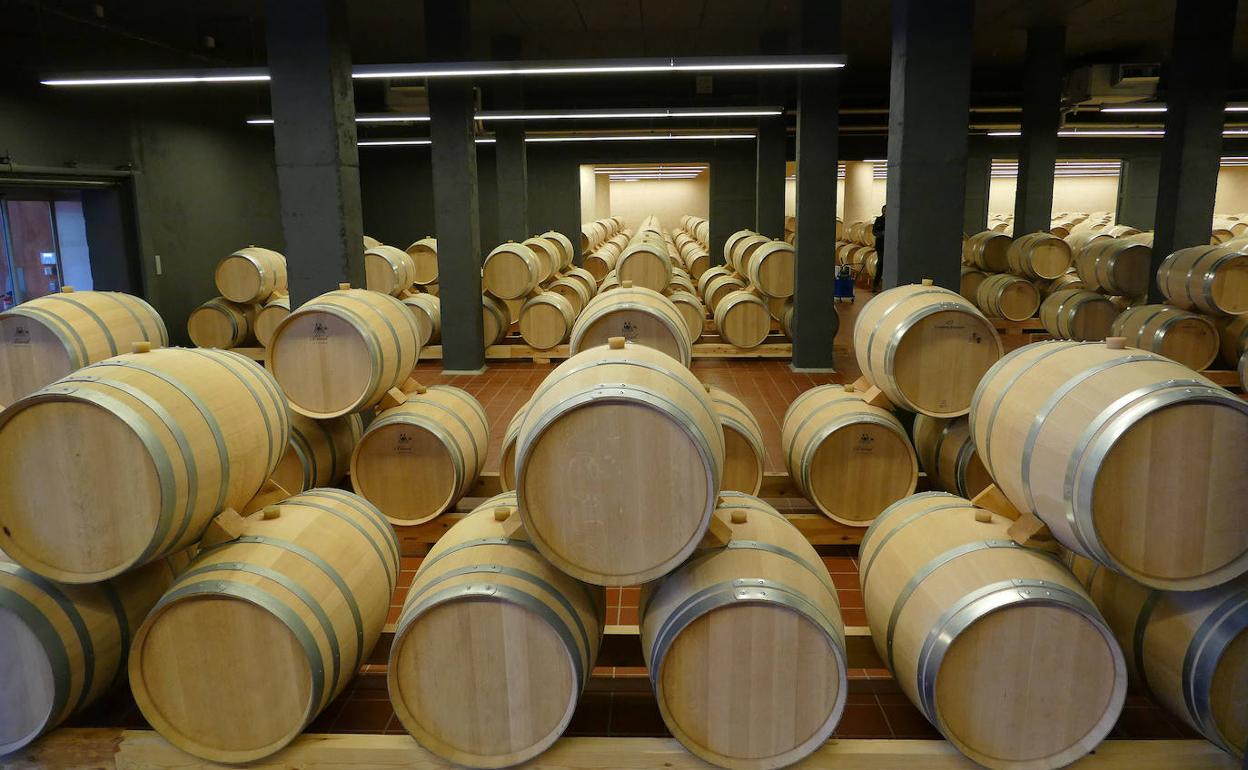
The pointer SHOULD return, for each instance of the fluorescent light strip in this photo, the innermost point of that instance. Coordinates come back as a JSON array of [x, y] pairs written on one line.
[[474, 69], [626, 169], [1162, 108], [365, 118], [634, 137], [658, 112], [1121, 133], [393, 142]]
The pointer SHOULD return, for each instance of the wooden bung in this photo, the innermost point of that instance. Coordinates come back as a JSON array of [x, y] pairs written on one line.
[[1115, 343], [344, 286], [141, 347], [67, 290], [271, 512], [616, 343]]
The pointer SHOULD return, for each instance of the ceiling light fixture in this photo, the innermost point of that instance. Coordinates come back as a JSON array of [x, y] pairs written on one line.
[[608, 114], [633, 137]]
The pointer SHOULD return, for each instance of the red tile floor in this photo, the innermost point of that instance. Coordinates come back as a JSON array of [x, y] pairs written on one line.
[[876, 706]]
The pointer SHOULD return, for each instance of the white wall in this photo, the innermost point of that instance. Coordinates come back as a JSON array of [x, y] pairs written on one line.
[[589, 194], [876, 199], [1070, 193], [1232, 195], [668, 199]]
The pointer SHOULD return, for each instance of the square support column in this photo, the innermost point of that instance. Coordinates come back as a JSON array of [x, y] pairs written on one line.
[[1196, 103], [769, 173], [318, 164], [1137, 191], [978, 187], [1037, 150], [513, 181], [927, 126], [815, 319]]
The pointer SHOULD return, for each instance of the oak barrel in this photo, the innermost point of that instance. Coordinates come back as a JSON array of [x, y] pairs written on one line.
[[1039, 255], [925, 347], [742, 319], [1131, 459], [507, 452], [424, 254], [546, 320], [1189, 649], [998, 645], [1075, 314], [692, 310], [618, 462], [1189, 338], [44, 339], [566, 252], [770, 267], [220, 323], [549, 256], [745, 644], [144, 448], [1209, 279], [251, 275], [418, 458], [1007, 296], [493, 646], [269, 317], [1233, 334], [947, 455], [744, 452], [495, 320], [639, 315], [389, 270], [1113, 266], [851, 459], [511, 270], [968, 285], [573, 290], [988, 250], [319, 452], [600, 262], [426, 311], [341, 352], [645, 263], [263, 631], [65, 645]]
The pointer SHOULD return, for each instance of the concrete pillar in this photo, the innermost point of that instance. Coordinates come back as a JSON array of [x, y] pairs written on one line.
[[454, 157], [978, 186], [318, 165], [1196, 103], [1137, 191], [815, 317], [602, 196], [859, 185], [513, 181], [770, 157], [732, 193], [927, 123], [1037, 149]]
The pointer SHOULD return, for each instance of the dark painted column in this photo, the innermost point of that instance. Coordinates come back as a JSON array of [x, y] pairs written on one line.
[[509, 152], [1196, 103], [318, 164], [1037, 148], [454, 156], [1137, 191], [815, 317], [732, 192], [769, 173], [555, 190], [927, 123], [978, 186]]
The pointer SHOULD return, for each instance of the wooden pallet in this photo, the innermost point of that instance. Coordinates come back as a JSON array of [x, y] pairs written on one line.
[[118, 749], [709, 346]]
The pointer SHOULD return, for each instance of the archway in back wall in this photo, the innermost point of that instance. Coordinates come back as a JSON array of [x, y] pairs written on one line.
[[632, 191]]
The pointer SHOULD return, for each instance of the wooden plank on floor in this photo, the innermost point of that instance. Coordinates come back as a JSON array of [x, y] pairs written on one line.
[[146, 750]]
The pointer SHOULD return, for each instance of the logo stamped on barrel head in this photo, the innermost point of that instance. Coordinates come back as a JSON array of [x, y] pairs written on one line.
[[21, 335], [320, 332], [866, 443], [629, 331], [405, 443]]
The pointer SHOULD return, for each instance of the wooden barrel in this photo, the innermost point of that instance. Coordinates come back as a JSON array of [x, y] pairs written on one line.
[[370, 242], [697, 261], [731, 241], [250, 276], [680, 282], [600, 262], [417, 459], [720, 287], [770, 267], [495, 320], [573, 290], [511, 271], [262, 632], [424, 254], [319, 452], [592, 234], [947, 455], [546, 320], [1189, 338], [507, 452], [1233, 333], [1007, 296], [783, 689], [65, 645], [1211, 280], [584, 277], [988, 250], [609, 282], [342, 351], [744, 453], [742, 249], [426, 312], [742, 319], [1243, 371], [618, 462], [1075, 314], [1039, 255], [709, 275], [637, 314], [693, 312], [388, 270], [972, 277], [1131, 459], [1113, 266], [985, 636], [566, 252], [144, 448], [1067, 280], [269, 317], [1189, 649], [645, 264], [220, 323], [925, 347], [49, 337], [786, 319], [487, 614], [851, 459], [549, 256]]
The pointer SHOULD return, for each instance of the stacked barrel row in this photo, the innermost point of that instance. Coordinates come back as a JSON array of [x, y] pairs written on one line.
[[752, 288], [855, 246], [593, 234], [534, 285]]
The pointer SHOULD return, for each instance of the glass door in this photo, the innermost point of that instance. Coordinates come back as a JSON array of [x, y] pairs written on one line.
[[34, 266]]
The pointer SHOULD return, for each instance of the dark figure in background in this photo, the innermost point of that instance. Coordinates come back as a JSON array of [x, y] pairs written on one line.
[[877, 230]]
